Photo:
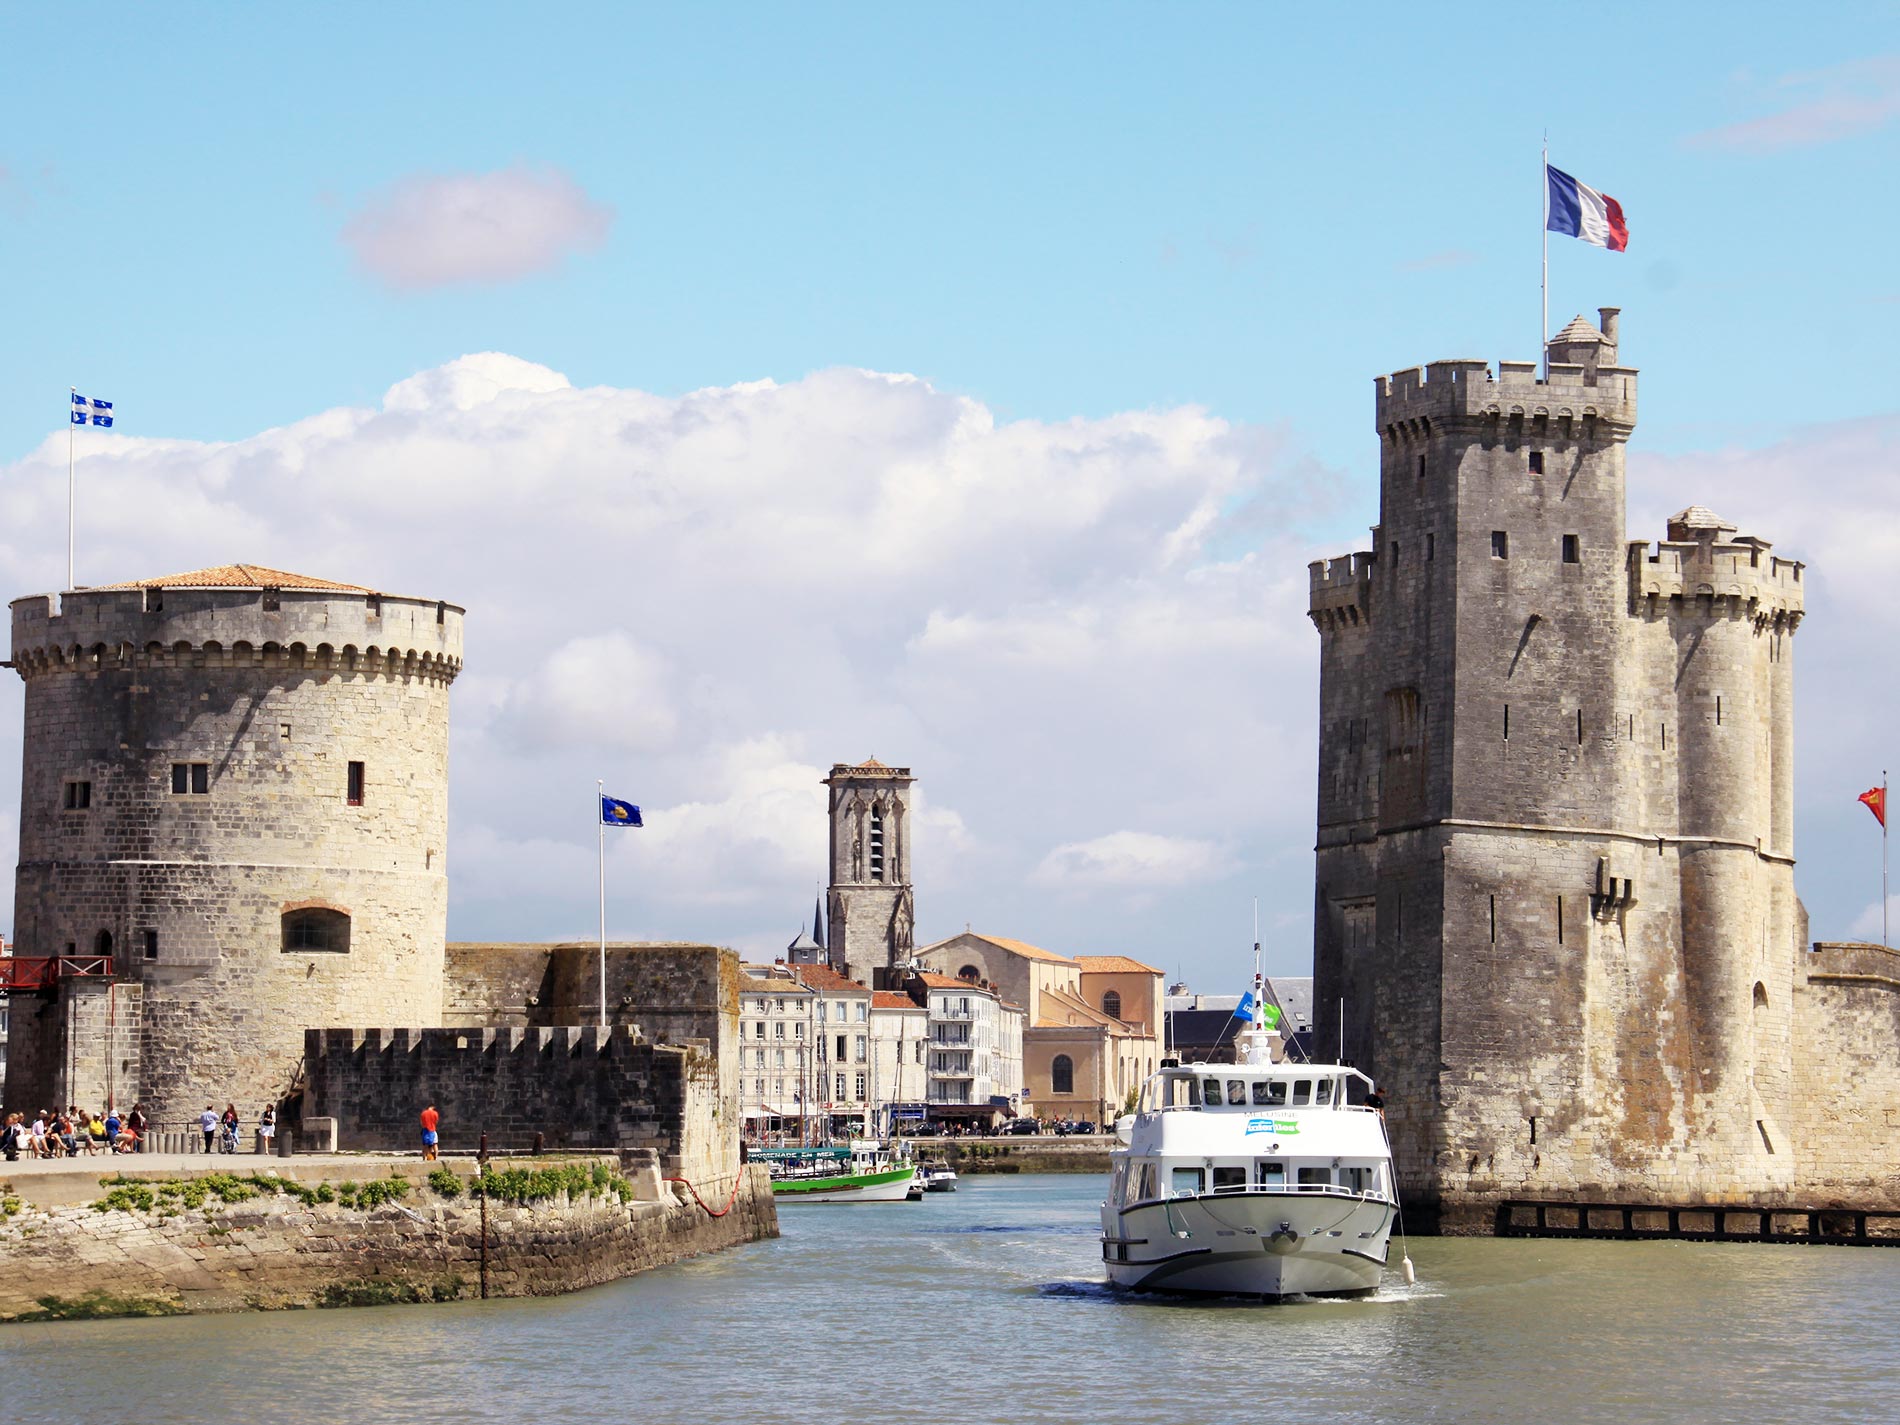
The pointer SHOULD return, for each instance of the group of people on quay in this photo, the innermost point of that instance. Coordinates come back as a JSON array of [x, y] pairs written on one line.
[[73, 1132]]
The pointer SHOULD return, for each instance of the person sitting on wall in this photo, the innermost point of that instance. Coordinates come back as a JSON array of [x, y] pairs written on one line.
[[138, 1125], [96, 1140], [115, 1129], [430, 1118], [36, 1135], [10, 1138]]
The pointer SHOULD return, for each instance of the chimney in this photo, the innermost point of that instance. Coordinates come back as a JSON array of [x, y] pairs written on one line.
[[1606, 323]]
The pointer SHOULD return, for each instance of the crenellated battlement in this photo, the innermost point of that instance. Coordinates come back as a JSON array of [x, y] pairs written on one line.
[[1574, 401], [1340, 593], [1730, 580]]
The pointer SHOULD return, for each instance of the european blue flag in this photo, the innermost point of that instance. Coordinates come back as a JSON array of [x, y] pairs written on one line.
[[1244, 1010], [614, 812]]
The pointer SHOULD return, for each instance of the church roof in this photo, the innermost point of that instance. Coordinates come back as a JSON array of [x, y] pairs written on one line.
[[804, 942], [1024, 948], [240, 576], [1113, 965], [1578, 330]]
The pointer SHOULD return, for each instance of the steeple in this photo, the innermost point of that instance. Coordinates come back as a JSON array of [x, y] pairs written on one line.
[[818, 918]]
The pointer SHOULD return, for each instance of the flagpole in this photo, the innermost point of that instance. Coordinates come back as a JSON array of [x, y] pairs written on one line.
[[600, 800], [1885, 942], [70, 501], [1543, 345]]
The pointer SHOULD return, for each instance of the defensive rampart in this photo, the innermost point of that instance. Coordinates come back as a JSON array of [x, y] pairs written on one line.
[[338, 1234]]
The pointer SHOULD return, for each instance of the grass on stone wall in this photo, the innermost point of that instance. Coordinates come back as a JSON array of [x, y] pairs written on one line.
[[167, 1195], [524, 1185]]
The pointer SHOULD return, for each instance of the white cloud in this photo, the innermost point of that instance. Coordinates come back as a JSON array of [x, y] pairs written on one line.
[[1844, 102], [1136, 863], [434, 230]]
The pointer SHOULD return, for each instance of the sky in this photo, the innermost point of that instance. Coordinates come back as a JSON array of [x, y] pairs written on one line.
[[964, 386]]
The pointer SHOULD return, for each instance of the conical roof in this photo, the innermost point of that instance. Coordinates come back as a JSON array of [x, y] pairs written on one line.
[[240, 576], [1578, 330], [1687, 524], [803, 942]]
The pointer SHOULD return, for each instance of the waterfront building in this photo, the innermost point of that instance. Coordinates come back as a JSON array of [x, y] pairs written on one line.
[[1555, 907], [900, 1034], [974, 1058], [1092, 1023], [234, 804], [781, 1085]]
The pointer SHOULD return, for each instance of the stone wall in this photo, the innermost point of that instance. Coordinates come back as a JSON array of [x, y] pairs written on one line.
[[577, 1088], [1847, 1078], [272, 1251], [272, 694]]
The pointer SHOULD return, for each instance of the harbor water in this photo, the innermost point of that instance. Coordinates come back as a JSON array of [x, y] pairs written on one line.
[[986, 1305]]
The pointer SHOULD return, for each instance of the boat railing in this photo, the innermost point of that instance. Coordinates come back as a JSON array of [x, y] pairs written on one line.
[[1277, 1189]]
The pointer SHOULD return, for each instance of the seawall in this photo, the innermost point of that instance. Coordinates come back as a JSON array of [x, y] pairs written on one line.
[[971, 1157], [340, 1232]]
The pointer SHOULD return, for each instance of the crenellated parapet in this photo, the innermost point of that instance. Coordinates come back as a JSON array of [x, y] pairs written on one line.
[[324, 632], [1714, 580], [1340, 592], [1574, 402]]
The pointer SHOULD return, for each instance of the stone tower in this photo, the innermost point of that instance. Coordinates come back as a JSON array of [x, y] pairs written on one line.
[[1555, 847], [235, 788], [871, 911]]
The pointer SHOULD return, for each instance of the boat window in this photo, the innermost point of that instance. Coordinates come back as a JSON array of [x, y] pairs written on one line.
[[1271, 1173], [1145, 1189], [1354, 1178], [1186, 1182], [1276, 1094], [1237, 1092], [1182, 1093], [1230, 1180], [1261, 1089], [1323, 1092], [1213, 1092], [1117, 1182], [1302, 1092], [1315, 1177]]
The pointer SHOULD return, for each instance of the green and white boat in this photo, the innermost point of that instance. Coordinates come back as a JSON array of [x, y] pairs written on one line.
[[867, 1171]]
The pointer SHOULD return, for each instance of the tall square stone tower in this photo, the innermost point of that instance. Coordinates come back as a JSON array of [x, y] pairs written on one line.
[[870, 912], [1554, 902]]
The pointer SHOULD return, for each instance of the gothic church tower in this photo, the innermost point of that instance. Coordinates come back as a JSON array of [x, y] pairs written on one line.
[[870, 910]]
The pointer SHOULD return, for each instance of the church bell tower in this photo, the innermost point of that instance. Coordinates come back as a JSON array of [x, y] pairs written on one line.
[[870, 910]]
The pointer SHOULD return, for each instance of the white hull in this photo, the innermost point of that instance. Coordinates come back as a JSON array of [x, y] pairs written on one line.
[[896, 1189], [1266, 1244]]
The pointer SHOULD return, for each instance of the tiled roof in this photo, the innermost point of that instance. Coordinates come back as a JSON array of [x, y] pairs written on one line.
[[1699, 517], [1113, 965], [1089, 1015], [823, 977], [892, 999], [949, 982], [1025, 949], [240, 576], [759, 985]]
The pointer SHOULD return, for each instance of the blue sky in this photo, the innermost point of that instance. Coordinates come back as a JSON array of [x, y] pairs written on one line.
[[1058, 214]]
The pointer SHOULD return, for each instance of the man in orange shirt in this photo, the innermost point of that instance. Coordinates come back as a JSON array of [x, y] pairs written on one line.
[[429, 1120]]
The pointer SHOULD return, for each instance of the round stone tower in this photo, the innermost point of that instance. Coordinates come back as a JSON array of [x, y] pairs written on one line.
[[233, 811]]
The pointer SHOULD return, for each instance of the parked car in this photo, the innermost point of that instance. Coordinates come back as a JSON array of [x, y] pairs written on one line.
[[924, 1130], [1082, 1126], [1024, 1126]]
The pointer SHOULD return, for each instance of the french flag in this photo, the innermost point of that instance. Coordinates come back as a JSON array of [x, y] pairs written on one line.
[[1581, 212]]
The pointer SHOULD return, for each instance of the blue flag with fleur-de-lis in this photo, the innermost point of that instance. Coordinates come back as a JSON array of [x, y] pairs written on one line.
[[91, 411]]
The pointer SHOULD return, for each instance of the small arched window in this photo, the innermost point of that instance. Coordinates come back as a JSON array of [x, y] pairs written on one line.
[[1112, 1005], [317, 928], [970, 973], [102, 943], [1761, 995], [1062, 1074]]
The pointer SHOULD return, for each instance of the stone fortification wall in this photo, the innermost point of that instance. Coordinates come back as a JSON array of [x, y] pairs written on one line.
[[274, 1251], [1847, 1077], [670, 992], [577, 1088], [1554, 887], [263, 697]]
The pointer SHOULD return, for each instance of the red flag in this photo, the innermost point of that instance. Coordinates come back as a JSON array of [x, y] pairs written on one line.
[[1875, 800]]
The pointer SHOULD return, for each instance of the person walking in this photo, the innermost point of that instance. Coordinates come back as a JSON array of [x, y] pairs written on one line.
[[430, 1118], [228, 1124], [267, 1125], [208, 1125]]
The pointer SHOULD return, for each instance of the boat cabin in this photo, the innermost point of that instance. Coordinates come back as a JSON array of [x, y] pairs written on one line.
[[1204, 1087]]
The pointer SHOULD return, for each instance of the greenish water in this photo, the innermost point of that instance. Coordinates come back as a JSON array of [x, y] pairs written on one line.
[[987, 1306]]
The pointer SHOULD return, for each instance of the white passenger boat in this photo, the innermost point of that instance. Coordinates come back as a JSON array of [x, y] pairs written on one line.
[[1251, 1179], [937, 1175], [865, 1172]]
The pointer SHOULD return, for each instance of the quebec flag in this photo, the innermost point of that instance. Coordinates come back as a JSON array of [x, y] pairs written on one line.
[[91, 412], [614, 812]]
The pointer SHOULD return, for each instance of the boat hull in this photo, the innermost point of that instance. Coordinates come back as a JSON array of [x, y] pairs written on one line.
[[1260, 1244], [889, 1185]]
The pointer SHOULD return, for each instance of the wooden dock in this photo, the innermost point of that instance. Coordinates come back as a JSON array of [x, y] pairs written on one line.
[[1615, 1221]]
